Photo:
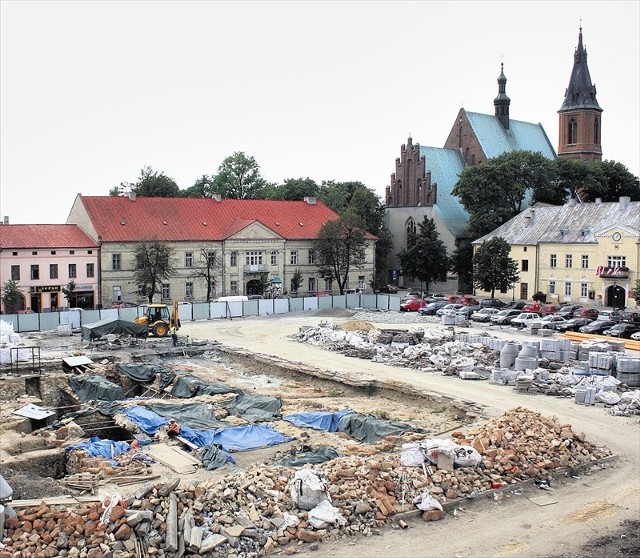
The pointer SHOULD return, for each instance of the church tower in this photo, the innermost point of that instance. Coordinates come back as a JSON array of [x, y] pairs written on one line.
[[580, 123], [502, 102]]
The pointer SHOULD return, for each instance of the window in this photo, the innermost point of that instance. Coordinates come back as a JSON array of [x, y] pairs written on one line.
[[117, 293], [211, 259], [616, 261], [312, 257], [15, 272], [35, 272], [524, 291], [115, 262], [34, 253], [524, 249], [14, 253], [553, 262], [233, 287], [72, 252], [596, 131], [233, 260], [525, 265], [53, 252], [165, 293], [91, 272], [568, 260], [573, 131], [584, 290], [552, 287], [361, 284], [294, 257], [274, 258], [253, 258], [188, 290], [328, 284], [88, 251], [312, 285], [585, 261], [188, 259], [567, 288], [53, 271], [142, 290], [72, 271]]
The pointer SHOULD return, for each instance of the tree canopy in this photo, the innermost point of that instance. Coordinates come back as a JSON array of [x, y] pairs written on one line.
[[425, 257], [493, 268], [12, 296], [150, 183], [239, 177], [292, 189], [152, 266]]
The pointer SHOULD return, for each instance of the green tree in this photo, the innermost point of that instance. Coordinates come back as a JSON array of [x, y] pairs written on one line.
[[202, 188], [337, 195], [150, 184], [12, 296], [292, 189], [206, 269], [153, 266], [493, 268], [425, 257], [296, 280], [609, 180], [69, 293], [461, 262], [265, 281], [340, 246], [567, 179], [637, 291], [239, 177]]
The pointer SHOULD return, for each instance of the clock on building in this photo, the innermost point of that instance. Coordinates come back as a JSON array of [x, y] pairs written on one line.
[[616, 236]]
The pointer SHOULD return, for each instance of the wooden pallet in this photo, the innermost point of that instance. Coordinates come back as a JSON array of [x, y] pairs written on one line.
[[629, 344]]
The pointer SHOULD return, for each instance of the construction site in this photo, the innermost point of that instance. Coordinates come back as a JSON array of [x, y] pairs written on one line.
[[335, 432]]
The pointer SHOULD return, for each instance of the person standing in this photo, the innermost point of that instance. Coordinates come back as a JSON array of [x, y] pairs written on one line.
[[174, 335]]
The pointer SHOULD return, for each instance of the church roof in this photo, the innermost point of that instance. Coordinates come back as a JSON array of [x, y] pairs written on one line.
[[571, 223], [581, 93], [496, 140], [43, 236], [445, 166]]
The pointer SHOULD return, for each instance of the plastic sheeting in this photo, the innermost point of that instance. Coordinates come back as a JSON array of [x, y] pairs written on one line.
[[254, 407], [148, 421], [321, 420], [195, 415], [188, 385], [213, 457], [370, 429], [237, 438], [115, 326], [95, 447], [95, 388], [314, 456]]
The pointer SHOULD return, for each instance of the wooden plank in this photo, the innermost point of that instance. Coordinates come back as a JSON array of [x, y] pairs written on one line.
[[577, 336], [167, 455], [53, 501]]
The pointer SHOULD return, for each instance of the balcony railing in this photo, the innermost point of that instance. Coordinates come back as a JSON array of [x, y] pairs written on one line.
[[256, 268], [612, 272]]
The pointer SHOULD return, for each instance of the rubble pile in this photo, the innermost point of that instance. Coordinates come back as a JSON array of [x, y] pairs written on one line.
[[252, 512]]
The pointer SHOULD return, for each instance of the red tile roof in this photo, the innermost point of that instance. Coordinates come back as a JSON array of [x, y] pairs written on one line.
[[119, 219], [44, 236]]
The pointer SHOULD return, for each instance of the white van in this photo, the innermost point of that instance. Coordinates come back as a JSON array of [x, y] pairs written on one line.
[[236, 298]]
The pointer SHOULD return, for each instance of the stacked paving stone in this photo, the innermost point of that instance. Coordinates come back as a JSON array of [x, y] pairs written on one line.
[[250, 512]]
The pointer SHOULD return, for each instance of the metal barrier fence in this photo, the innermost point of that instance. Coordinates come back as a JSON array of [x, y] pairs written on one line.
[[46, 321]]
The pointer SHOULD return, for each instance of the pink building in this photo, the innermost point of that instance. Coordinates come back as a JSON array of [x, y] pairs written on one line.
[[44, 259]]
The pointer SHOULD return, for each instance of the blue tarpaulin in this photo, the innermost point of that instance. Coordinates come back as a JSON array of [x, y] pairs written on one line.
[[148, 421], [237, 438], [95, 447], [320, 420]]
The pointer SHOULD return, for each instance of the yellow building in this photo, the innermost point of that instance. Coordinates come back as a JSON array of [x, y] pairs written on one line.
[[578, 253]]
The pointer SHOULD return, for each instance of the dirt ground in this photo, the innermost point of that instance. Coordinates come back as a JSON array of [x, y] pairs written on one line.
[[597, 514]]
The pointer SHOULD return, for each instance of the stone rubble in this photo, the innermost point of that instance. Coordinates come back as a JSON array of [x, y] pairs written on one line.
[[249, 513]]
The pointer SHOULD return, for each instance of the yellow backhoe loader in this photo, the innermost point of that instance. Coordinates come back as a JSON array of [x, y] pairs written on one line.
[[160, 318]]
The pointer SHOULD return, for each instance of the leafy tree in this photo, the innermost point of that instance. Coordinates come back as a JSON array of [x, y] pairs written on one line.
[[292, 189], [265, 282], [461, 262], [152, 266], [609, 180], [567, 179], [296, 280], [151, 184], [202, 188], [637, 291], [425, 257], [493, 268], [337, 195], [69, 293], [340, 246], [239, 177], [206, 268], [12, 296]]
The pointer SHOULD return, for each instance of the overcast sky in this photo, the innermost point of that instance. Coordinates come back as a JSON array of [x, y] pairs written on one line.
[[93, 91]]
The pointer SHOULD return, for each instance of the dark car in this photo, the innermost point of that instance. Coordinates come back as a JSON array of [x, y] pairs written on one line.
[[492, 303], [573, 324], [515, 305], [622, 330], [631, 317], [569, 310], [389, 289], [597, 326], [432, 307]]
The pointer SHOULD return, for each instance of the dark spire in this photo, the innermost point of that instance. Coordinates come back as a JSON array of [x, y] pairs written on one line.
[[581, 93], [502, 102]]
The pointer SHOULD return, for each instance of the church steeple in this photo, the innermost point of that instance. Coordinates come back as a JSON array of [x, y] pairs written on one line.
[[580, 113], [502, 101]]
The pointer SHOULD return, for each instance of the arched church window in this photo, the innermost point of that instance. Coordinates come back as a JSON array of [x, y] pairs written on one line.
[[411, 230], [596, 131], [573, 131]]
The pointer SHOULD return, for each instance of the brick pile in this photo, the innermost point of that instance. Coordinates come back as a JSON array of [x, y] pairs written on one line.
[[250, 512]]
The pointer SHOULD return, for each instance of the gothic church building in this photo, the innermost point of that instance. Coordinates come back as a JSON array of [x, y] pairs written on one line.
[[425, 176]]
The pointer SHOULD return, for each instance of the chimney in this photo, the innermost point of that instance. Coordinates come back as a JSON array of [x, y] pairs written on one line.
[[571, 202], [132, 196], [5, 220], [598, 201], [624, 202], [311, 200], [529, 216], [217, 197]]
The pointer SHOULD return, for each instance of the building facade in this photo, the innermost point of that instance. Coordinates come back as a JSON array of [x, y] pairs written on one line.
[[578, 253], [44, 259], [249, 247]]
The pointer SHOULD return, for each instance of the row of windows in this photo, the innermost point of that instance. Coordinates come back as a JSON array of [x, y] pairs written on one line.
[[72, 271], [584, 288], [53, 252], [573, 131], [612, 261]]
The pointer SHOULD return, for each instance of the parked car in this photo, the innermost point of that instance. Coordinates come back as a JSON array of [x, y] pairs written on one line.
[[587, 313], [631, 317], [573, 324], [412, 304], [466, 300], [525, 319], [550, 321], [431, 308], [622, 330], [492, 303], [548, 309], [569, 310], [636, 336], [504, 317], [124, 305], [484, 314], [532, 307], [436, 297], [515, 305], [389, 289], [610, 315], [449, 309], [467, 311], [597, 326]]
